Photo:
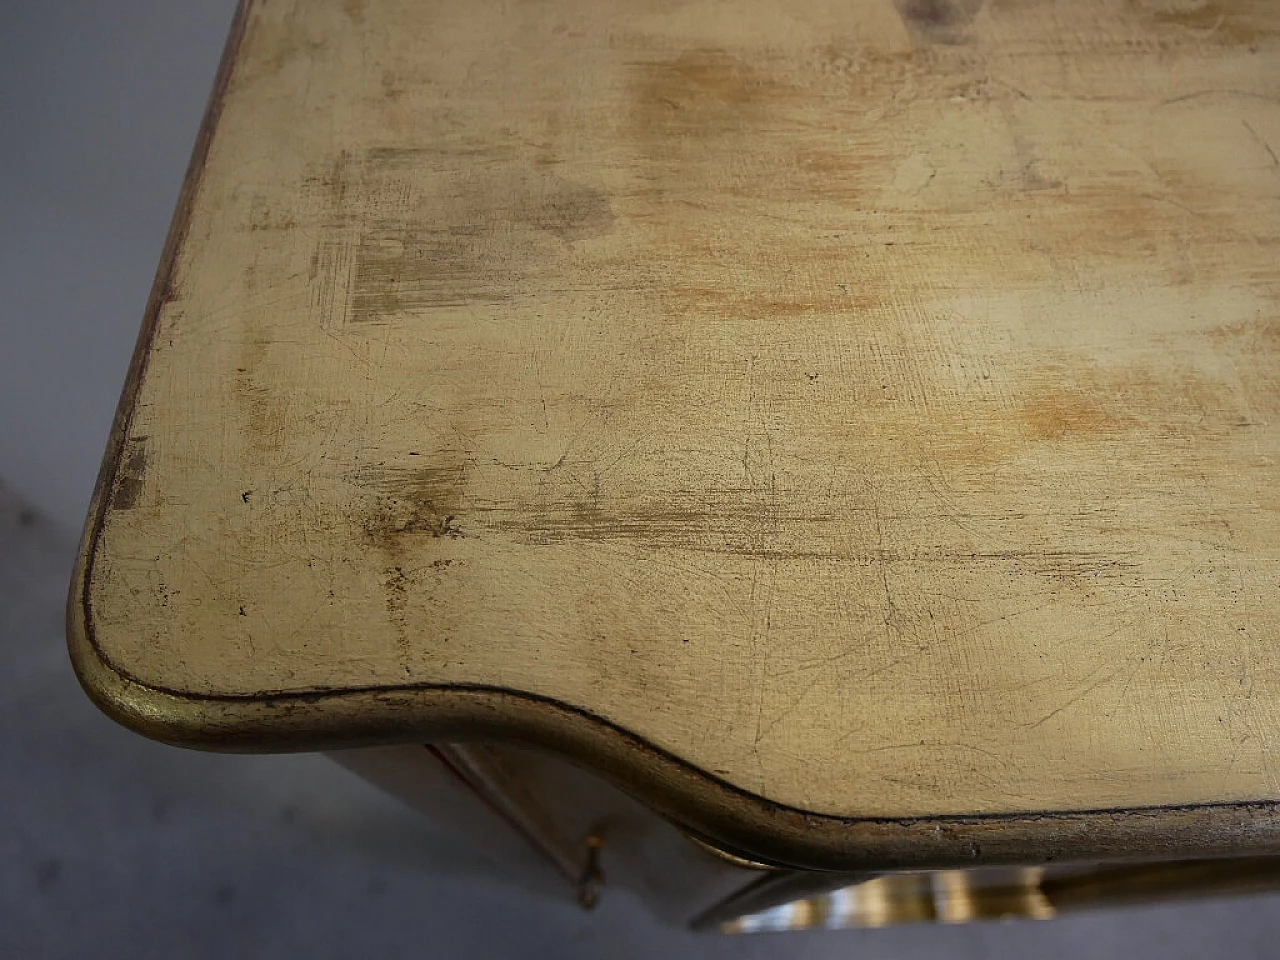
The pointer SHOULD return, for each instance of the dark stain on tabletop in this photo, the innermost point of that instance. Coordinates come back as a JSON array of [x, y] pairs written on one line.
[[396, 509], [397, 590], [567, 210], [939, 21], [744, 522], [473, 238], [406, 502], [133, 471]]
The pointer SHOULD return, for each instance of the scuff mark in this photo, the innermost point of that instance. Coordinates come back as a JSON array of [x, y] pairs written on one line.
[[418, 501], [133, 471]]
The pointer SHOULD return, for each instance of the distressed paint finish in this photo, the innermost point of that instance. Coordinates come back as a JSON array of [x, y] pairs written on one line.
[[872, 406]]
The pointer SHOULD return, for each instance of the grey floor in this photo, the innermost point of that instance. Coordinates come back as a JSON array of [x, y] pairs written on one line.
[[111, 846]]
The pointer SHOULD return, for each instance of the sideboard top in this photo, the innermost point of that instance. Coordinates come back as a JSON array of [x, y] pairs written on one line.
[[841, 410]]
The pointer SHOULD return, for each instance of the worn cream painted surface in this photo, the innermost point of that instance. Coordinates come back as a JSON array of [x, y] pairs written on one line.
[[873, 405]]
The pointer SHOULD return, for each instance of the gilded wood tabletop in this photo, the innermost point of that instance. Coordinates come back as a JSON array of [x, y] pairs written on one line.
[[871, 406]]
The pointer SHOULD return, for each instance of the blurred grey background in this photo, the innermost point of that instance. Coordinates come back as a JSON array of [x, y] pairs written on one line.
[[114, 846]]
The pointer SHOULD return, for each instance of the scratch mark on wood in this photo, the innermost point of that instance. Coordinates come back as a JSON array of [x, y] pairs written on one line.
[[1072, 701], [1275, 161]]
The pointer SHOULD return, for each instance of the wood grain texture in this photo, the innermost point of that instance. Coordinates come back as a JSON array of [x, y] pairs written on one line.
[[872, 407]]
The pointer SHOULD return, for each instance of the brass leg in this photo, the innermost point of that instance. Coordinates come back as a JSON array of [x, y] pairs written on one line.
[[775, 888], [961, 896]]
